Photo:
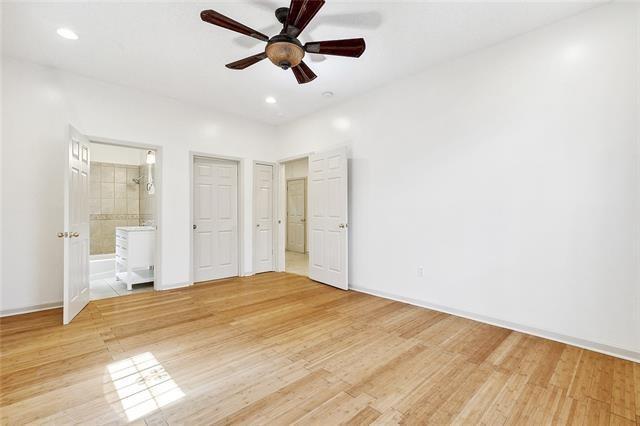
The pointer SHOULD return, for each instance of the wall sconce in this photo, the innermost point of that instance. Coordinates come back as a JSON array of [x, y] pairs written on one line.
[[151, 157]]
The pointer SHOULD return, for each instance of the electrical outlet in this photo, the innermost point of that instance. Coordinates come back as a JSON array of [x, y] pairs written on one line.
[[420, 271]]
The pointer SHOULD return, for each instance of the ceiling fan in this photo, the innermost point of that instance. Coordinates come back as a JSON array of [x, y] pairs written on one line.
[[284, 49]]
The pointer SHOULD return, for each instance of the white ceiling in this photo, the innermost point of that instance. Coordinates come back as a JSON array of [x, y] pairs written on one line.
[[165, 48]]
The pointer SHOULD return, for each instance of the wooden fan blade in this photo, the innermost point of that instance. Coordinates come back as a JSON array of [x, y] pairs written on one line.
[[215, 18], [246, 62], [303, 73], [301, 12], [353, 47]]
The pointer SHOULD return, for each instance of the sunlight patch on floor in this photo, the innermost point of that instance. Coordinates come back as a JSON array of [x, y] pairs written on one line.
[[143, 385]]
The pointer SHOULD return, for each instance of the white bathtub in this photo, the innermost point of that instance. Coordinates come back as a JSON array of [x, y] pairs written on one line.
[[102, 266]]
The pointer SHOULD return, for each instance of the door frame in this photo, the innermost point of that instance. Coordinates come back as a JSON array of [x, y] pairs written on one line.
[[157, 278], [240, 196], [281, 238], [274, 214], [286, 214]]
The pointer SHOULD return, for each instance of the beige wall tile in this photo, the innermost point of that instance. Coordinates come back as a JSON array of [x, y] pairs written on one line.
[[120, 206], [120, 190], [107, 173], [94, 189], [94, 246], [114, 193], [94, 206], [108, 229], [109, 246], [94, 172], [107, 190], [133, 191], [94, 227], [133, 206], [120, 174], [132, 172], [107, 205]]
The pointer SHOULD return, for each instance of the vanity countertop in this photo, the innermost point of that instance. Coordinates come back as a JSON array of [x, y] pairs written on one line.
[[136, 228]]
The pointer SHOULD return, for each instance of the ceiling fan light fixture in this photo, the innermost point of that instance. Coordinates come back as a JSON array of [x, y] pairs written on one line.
[[284, 49], [284, 54]]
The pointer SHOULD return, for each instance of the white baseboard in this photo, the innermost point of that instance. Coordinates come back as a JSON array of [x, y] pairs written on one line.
[[574, 341], [174, 286], [29, 309]]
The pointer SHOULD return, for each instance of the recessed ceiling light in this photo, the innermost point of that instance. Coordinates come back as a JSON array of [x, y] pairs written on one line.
[[342, 123], [327, 94], [270, 100], [67, 33]]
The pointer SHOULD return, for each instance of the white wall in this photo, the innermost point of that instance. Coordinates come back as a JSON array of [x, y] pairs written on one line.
[[114, 154], [38, 104], [510, 175]]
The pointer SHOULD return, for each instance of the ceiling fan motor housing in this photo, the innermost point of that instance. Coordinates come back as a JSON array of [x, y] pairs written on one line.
[[284, 51]]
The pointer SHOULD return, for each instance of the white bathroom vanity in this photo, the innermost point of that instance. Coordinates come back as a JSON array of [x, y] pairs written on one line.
[[135, 254]]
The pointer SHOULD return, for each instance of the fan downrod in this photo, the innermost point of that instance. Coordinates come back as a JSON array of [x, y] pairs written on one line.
[[281, 14]]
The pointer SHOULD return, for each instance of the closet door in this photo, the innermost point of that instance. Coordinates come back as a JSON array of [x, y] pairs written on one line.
[[263, 217], [328, 236], [215, 222]]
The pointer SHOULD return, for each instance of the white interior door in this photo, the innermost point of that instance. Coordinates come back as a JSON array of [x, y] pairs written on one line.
[[263, 202], [296, 226], [328, 236], [215, 221], [76, 226]]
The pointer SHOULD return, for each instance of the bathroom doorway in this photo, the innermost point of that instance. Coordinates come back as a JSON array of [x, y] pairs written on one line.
[[296, 229], [123, 193]]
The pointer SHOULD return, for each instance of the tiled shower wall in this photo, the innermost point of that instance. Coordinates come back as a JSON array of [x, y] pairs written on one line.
[[114, 200]]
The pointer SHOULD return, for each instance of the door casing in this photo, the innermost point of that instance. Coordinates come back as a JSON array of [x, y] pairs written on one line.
[[282, 207], [281, 199], [157, 272]]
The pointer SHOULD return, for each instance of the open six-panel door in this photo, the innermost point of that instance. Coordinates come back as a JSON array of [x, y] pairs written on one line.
[[328, 236], [76, 226]]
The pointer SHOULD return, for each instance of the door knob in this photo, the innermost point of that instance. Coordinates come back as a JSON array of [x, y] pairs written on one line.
[[342, 225], [74, 234], [257, 225], [195, 226], [62, 234]]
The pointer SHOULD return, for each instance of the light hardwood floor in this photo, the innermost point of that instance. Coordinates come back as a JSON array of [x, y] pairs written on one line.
[[279, 349]]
